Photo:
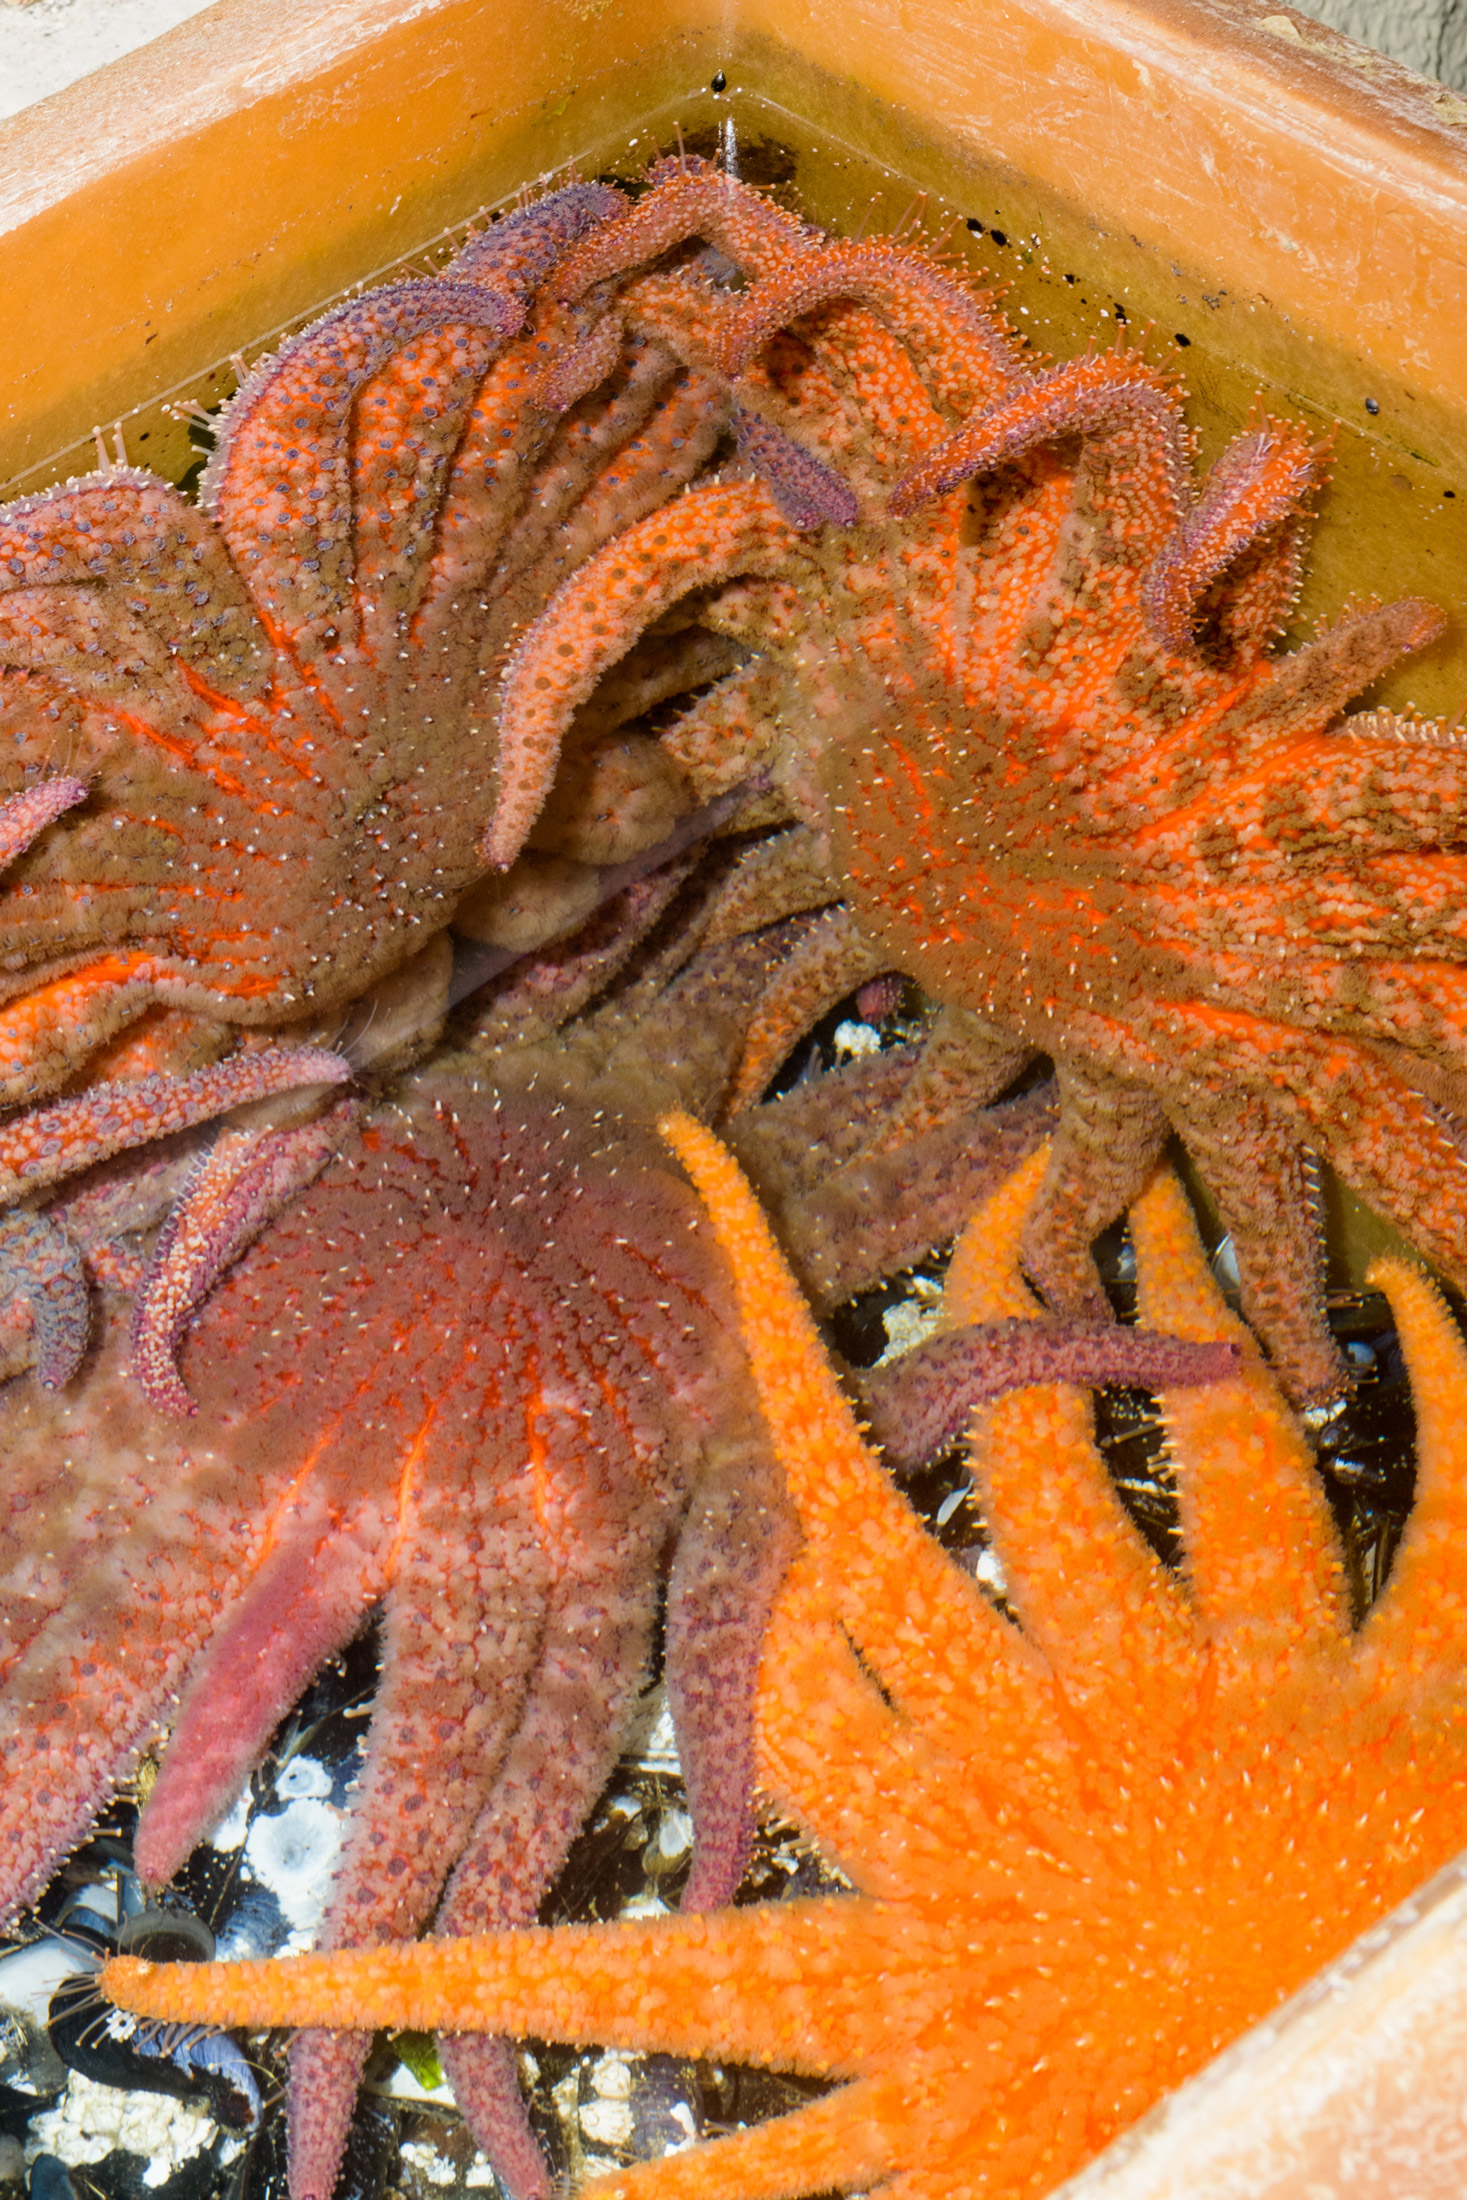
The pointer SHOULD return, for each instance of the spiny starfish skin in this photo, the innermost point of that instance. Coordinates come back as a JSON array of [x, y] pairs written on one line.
[[1027, 709], [478, 1373], [1087, 1847], [281, 708]]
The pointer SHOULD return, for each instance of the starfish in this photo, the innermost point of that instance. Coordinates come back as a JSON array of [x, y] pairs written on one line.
[[279, 711], [1089, 1839], [479, 1373], [1012, 674]]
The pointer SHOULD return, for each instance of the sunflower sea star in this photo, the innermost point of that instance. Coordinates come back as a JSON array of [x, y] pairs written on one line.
[[1087, 1845], [1018, 694], [481, 1373]]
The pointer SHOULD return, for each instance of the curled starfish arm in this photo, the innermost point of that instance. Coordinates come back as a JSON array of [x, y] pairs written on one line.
[[1256, 485], [517, 254], [832, 959], [42, 1266], [965, 352], [1114, 395], [708, 534], [1263, 1565], [25, 815], [245, 1180], [688, 199], [42, 1148]]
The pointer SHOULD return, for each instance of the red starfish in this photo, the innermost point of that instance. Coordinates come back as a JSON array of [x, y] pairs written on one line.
[[1013, 673]]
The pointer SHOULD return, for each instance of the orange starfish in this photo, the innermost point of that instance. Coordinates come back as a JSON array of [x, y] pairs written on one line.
[[1086, 1848], [1012, 671]]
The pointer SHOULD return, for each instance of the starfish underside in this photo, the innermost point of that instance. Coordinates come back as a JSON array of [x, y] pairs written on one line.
[[1088, 1843]]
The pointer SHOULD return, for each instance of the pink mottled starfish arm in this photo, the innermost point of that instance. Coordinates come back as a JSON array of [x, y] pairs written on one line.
[[25, 815], [911, 1599], [1259, 480], [298, 1611], [1116, 392], [1262, 1559], [241, 1184], [55, 1142], [593, 619]]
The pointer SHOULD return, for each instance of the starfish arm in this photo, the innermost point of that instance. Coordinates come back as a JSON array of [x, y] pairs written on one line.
[[813, 1959], [901, 1806], [126, 532], [732, 1553], [245, 1180], [321, 1577], [691, 200], [279, 482], [1285, 701], [42, 1148], [597, 1628], [884, 1210], [1258, 482], [1263, 1563], [921, 1403], [1115, 395], [809, 493], [914, 1607], [965, 1064], [518, 253], [41, 1264], [966, 353], [844, 2142], [1250, 1157], [780, 876], [581, 366], [1090, 1594], [832, 959], [1110, 1137], [707, 535], [47, 1033], [25, 815], [723, 737], [408, 425], [1416, 1625]]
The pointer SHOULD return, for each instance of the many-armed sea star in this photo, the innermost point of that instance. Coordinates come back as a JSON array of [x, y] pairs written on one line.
[[1087, 1845], [1012, 673], [482, 1374]]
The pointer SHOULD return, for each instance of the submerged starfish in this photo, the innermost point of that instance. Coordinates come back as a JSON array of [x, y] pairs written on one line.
[[481, 1373], [1012, 673], [1087, 1845]]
